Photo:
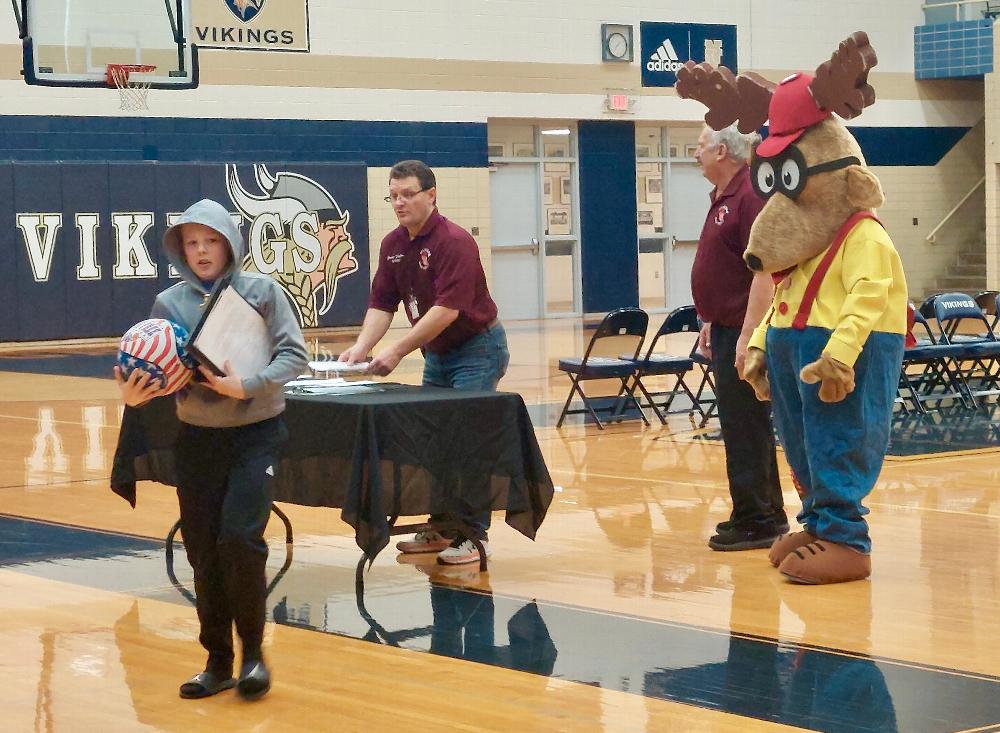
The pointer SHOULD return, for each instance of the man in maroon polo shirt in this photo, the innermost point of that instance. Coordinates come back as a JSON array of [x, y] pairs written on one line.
[[730, 301], [432, 266]]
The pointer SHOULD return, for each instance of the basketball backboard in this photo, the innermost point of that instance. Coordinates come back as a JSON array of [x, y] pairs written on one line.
[[70, 43]]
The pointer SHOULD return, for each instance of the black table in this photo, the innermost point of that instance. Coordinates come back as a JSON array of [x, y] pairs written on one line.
[[395, 451]]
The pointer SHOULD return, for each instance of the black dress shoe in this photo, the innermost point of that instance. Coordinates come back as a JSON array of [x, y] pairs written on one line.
[[255, 680], [206, 684]]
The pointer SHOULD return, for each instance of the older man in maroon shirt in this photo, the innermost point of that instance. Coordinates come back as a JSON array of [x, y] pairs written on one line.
[[731, 301], [432, 266]]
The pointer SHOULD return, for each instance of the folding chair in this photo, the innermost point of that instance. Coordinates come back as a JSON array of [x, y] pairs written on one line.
[[926, 308], [653, 364], [926, 311], [624, 323], [707, 384], [936, 380], [978, 367], [989, 303]]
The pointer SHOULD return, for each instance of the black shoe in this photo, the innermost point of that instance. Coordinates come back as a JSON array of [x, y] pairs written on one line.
[[780, 522], [725, 526], [206, 684], [255, 680], [747, 537]]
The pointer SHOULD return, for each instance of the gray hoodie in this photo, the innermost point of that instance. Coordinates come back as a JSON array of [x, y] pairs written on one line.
[[183, 304]]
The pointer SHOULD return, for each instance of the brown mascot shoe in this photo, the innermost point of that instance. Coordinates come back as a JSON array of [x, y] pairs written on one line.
[[822, 562], [786, 543]]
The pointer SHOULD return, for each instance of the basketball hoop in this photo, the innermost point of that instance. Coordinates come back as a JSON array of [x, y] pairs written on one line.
[[132, 90]]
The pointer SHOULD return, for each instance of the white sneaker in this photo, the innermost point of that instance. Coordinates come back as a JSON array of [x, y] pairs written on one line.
[[462, 551], [429, 541]]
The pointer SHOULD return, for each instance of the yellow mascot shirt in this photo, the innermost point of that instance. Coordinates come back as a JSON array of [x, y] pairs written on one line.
[[863, 291]]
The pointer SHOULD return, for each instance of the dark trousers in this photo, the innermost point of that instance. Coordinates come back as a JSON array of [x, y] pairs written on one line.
[[225, 490], [751, 462], [477, 365]]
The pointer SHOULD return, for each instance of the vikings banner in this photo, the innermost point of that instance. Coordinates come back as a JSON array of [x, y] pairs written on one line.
[[264, 25], [80, 252]]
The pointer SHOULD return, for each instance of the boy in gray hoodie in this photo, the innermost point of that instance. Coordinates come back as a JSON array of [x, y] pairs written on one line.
[[228, 447]]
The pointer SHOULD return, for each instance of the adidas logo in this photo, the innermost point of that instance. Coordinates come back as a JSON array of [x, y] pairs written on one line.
[[664, 58]]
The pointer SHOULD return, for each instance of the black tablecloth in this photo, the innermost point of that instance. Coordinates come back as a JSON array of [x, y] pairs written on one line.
[[400, 450]]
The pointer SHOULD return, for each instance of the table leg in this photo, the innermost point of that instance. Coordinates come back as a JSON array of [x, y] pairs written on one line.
[[270, 587]]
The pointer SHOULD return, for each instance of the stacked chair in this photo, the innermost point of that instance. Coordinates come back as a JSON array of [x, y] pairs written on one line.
[[929, 372], [962, 323], [960, 363]]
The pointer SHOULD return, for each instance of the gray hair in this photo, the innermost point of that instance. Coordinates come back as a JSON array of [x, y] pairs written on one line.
[[738, 145]]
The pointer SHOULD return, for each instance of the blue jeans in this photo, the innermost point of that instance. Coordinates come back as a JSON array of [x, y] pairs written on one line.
[[477, 365], [835, 449]]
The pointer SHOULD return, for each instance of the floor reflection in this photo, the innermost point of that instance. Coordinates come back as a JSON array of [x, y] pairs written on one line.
[[453, 612]]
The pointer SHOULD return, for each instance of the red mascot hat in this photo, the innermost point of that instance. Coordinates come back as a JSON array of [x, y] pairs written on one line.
[[792, 110]]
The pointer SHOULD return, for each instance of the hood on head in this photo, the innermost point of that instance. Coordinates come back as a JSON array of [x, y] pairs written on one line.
[[210, 214]]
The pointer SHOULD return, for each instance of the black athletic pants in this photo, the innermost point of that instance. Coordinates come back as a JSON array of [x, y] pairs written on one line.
[[225, 490], [751, 462]]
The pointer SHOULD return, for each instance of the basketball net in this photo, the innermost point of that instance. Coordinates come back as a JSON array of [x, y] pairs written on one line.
[[132, 90]]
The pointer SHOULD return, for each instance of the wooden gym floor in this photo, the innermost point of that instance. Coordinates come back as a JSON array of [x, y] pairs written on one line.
[[618, 618]]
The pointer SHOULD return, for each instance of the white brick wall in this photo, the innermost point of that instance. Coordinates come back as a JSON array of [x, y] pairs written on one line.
[[779, 34]]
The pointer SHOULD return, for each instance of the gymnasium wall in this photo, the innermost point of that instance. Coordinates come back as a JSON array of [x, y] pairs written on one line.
[[388, 80], [992, 185], [919, 197]]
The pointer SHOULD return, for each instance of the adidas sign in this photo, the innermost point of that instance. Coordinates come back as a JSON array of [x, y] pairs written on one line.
[[664, 58]]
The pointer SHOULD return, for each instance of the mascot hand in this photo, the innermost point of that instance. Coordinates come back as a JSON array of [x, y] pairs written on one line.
[[755, 372], [837, 378]]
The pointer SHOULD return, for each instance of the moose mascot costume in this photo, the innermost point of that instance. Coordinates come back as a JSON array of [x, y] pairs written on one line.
[[828, 351]]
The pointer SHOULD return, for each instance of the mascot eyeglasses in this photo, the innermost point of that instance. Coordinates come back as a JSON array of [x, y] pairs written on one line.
[[787, 172]]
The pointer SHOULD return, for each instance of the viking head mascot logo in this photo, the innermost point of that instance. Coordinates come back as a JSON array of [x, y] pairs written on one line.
[[298, 235], [245, 10]]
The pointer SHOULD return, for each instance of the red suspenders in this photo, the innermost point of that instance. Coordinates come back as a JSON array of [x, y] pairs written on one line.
[[812, 288]]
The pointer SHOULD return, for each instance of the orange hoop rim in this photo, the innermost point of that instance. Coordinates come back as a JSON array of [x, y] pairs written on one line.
[[122, 71]]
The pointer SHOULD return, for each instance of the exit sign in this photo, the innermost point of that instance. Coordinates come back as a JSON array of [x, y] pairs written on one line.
[[619, 101]]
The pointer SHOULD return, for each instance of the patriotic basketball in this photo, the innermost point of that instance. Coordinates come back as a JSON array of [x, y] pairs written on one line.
[[157, 346]]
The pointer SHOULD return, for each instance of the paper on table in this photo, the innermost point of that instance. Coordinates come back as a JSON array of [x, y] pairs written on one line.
[[339, 366], [232, 330], [334, 387], [326, 382], [313, 381]]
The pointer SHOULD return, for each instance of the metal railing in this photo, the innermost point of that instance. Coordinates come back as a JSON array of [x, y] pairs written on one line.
[[931, 237]]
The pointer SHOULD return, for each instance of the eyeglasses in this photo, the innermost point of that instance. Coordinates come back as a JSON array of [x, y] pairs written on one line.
[[404, 196], [787, 173]]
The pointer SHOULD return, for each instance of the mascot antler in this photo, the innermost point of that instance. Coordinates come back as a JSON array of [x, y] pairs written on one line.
[[841, 84], [727, 96]]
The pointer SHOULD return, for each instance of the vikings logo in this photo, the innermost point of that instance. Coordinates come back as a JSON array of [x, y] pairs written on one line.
[[245, 10], [298, 235], [425, 258]]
